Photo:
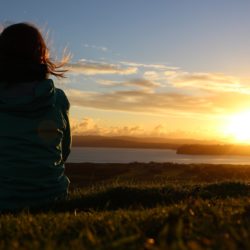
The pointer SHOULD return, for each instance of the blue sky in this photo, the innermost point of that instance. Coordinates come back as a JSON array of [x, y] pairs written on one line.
[[197, 35], [143, 67]]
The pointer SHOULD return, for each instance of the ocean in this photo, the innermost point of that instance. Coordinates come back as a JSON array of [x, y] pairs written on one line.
[[127, 155]]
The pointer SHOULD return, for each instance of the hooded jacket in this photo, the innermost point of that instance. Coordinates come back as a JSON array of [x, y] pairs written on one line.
[[35, 142]]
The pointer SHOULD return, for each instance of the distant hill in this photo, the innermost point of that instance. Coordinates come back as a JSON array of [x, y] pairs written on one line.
[[219, 149], [133, 142]]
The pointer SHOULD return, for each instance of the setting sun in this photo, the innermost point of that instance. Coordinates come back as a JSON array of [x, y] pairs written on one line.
[[239, 127]]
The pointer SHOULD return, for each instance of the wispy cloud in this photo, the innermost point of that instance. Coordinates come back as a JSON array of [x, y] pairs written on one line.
[[153, 66], [139, 83], [143, 83], [91, 46], [217, 82], [109, 83], [159, 89], [178, 78], [153, 76], [160, 103], [87, 67]]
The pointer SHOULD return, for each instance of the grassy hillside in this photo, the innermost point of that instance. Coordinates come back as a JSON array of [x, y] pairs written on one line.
[[86, 174], [140, 206]]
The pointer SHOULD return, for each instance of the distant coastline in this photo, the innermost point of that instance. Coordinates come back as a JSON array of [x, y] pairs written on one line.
[[241, 150], [181, 146], [133, 142]]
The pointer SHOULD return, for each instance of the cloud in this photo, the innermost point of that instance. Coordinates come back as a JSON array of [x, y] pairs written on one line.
[[140, 83], [144, 83], [102, 48], [88, 126], [217, 82], [85, 126], [153, 66], [125, 131], [160, 103], [170, 73], [109, 83], [158, 89], [96, 68], [151, 75], [177, 78]]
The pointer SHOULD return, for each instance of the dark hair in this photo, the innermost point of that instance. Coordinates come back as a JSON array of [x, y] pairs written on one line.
[[24, 55]]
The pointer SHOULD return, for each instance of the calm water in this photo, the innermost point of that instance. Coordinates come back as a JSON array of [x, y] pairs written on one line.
[[126, 155]]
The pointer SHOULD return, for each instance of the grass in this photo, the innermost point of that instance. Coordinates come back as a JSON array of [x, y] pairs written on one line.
[[140, 206]]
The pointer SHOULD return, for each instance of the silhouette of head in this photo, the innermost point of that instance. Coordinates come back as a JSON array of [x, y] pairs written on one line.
[[24, 55]]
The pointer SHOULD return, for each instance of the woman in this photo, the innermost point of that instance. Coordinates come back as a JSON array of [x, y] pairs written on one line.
[[35, 136]]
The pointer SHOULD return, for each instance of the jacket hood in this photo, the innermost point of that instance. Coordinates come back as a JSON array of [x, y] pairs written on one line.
[[27, 98]]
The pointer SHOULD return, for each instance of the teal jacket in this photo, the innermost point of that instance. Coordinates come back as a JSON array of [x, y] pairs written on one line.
[[35, 141]]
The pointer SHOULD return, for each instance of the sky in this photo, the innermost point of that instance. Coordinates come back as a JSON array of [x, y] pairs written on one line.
[[168, 68]]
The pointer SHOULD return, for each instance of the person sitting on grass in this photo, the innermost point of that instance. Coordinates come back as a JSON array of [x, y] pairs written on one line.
[[35, 137]]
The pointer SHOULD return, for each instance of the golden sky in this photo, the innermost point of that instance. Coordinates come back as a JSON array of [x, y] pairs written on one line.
[[129, 98], [150, 68]]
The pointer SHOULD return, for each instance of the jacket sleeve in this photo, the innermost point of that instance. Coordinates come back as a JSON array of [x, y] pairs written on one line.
[[67, 139]]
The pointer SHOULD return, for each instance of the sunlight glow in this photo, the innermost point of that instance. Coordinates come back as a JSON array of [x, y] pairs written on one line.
[[239, 127]]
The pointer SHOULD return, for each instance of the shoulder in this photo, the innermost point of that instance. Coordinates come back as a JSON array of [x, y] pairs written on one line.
[[62, 99]]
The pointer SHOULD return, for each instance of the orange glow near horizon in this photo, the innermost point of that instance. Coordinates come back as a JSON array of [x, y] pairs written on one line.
[[238, 127]]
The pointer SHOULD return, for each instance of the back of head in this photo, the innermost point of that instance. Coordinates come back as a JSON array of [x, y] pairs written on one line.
[[22, 42], [24, 55]]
